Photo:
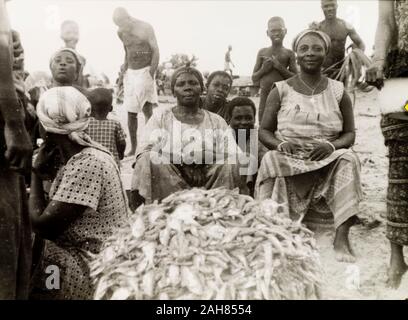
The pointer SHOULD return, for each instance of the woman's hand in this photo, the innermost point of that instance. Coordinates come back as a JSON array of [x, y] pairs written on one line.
[[194, 175], [321, 151], [288, 147]]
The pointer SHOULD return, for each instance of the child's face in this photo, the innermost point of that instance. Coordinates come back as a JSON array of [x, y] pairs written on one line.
[[276, 32], [242, 118]]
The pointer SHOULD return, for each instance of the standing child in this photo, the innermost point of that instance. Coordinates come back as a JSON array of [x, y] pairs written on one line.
[[273, 64], [107, 132]]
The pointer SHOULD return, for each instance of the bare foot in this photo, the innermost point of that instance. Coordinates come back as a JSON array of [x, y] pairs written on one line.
[[342, 249], [395, 274], [344, 254]]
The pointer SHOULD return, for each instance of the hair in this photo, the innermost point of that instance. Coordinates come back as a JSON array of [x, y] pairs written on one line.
[[190, 70], [240, 102], [276, 19], [101, 100], [74, 54], [218, 73]]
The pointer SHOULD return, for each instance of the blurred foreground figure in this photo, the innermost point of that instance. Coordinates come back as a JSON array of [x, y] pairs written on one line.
[[15, 156], [390, 61]]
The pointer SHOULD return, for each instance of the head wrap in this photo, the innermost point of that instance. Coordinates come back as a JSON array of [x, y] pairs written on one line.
[[187, 69], [325, 38], [66, 111], [74, 53]]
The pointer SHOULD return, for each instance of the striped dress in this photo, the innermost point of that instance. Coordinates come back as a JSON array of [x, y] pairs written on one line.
[[329, 186]]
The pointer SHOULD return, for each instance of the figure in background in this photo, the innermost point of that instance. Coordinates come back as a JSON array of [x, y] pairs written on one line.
[[107, 132], [338, 30], [228, 61], [274, 63], [218, 86], [70, 36], [141, 62]]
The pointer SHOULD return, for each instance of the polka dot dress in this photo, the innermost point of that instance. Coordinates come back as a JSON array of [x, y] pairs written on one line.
[[90, 179]]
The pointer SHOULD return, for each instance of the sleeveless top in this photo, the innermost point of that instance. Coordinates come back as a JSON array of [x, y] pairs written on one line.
[[309, 119]]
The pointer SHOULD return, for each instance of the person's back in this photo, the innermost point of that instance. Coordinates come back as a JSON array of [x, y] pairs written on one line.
[[107, 132]]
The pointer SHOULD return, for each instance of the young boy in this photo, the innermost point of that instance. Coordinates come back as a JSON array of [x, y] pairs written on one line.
[[242, 114], [274, 63], [107, 132]]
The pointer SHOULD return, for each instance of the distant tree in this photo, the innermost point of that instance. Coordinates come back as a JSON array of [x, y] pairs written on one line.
[[181, 59]]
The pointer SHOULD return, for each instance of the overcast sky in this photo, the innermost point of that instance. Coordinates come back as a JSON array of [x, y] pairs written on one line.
[[204, 28]]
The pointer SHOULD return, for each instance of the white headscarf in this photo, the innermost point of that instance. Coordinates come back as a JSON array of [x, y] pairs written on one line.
[[66, 111]]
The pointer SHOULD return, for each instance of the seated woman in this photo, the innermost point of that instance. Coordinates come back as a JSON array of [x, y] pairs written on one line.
[[219, 85], [310, 126], [182, 146], [86, 201]]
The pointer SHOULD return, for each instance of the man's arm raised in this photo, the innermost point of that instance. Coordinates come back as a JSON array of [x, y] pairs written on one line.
[[355, 37], [155, 52], [19, 149]]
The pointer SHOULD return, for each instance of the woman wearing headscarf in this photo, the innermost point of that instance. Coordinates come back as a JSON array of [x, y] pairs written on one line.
[[310, 128], [182, 144], [65, 67], [86, 200], [391, 61]]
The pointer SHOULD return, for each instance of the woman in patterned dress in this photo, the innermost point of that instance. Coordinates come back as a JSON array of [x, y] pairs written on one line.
[[86, 200], [182, 144], [309, 125], [391, 60]]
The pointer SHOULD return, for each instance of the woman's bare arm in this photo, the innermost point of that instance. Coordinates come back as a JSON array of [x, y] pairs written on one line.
[[346, 139], [270, 121]]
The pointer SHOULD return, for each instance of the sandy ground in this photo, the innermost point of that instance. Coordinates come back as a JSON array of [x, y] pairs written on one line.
[[366, 278]]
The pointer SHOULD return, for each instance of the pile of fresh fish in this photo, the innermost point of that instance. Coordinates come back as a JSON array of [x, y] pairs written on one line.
[[209, 244]]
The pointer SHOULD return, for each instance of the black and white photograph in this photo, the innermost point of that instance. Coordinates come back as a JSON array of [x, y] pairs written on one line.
[[224, 151]]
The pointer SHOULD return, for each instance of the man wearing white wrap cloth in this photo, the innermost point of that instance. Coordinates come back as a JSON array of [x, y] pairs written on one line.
[[141, 62], [87, 200]]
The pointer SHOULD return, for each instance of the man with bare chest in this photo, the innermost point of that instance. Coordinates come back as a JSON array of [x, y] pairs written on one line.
[[274, 63], [338, 30], [141, 62]]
